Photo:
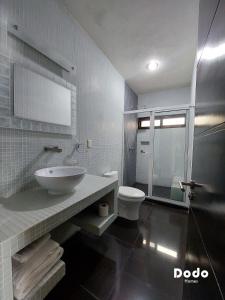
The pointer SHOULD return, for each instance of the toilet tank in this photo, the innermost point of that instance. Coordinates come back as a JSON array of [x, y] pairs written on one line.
[[112, 174]]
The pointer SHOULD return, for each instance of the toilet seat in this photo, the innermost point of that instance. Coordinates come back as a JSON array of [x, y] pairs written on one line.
[[127, 193]]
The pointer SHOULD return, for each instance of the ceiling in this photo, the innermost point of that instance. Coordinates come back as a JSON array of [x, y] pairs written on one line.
[[132, 32]]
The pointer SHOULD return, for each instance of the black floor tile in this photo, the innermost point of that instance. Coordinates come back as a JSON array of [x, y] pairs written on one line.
[[128, 231], [145, 211], [161, 191], [131, 288], [114, 254], [81, 263], [196, 257], [157, 271], [102, 279], [77, 293], [165, 226], [125, 230], [93, 263], [124, 263], [159, 248], [108, 246]]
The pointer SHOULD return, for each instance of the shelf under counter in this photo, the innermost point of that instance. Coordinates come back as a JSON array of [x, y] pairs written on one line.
[[28, 215], [48, 282], [89, 219], [92, 223]]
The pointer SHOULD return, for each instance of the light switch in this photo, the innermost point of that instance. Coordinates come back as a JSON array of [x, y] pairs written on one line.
[[89, 143]]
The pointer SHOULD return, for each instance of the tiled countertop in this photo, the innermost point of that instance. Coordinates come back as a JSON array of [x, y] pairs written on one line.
[[26, 216]]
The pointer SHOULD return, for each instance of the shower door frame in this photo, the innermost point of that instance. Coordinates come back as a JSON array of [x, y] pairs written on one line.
[[188, 149]]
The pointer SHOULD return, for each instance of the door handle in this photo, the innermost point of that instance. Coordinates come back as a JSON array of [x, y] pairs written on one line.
[[192, 184]]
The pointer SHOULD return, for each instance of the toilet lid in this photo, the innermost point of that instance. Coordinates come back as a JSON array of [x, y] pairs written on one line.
[[126, 192]]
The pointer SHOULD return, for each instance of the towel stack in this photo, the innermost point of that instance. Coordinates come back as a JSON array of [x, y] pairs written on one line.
[[32, 263]]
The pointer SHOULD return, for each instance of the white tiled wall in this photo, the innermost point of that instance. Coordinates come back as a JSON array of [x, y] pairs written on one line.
[[167, 97], [100, 95]]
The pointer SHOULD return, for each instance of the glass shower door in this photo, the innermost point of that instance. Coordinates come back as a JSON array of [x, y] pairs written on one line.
[[136, 150], [143, 152], [169, 155]]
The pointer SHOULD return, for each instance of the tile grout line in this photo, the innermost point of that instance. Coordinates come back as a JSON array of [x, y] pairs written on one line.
[[89, 292], [129, 256], [131, 248], [118, 239], [126, 261]]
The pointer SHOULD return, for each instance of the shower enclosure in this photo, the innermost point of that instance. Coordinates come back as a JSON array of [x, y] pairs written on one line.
[[157, 152]]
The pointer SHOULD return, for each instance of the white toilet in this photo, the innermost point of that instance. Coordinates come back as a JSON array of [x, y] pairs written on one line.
[[129, 199]]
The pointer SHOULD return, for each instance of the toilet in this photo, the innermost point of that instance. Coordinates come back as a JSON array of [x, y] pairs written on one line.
[[129, 199]]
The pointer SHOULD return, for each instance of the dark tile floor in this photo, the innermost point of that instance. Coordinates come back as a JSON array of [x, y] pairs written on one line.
[[158, 191], [161, 191], [130, 261]]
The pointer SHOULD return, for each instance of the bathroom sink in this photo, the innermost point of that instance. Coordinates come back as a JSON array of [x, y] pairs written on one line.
[[60, 180]]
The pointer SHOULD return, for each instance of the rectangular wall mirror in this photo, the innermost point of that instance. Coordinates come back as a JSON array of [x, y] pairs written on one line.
[[40, 99]]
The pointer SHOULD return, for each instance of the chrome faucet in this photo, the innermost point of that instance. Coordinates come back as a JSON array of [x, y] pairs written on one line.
[[52, 149]]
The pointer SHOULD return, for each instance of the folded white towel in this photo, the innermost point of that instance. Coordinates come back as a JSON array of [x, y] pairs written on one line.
[[27, 275], [22, 271], [24, 289], [25, 254]]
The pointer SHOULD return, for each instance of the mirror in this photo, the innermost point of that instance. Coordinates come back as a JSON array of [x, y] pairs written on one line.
[[38, 98]]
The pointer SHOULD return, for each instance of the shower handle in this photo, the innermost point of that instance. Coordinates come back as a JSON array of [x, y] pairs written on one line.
[[192, 184]]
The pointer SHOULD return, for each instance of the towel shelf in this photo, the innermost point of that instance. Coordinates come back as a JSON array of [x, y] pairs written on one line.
[[64, 232], [48, 282], [89, 221]]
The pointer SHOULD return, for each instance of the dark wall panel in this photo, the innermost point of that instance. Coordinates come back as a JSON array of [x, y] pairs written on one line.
[[196, 257], [207, 9], [210, 88], [208, 204], [209, 201]]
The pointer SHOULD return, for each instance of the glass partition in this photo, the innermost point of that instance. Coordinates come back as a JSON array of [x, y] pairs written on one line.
[[136, 151], [169, 155], [155, 153]]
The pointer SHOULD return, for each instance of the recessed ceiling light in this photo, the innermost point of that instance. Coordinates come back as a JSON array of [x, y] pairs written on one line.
[[153, 65]]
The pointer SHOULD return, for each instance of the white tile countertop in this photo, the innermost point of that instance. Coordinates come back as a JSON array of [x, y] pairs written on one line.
[[28, 215]]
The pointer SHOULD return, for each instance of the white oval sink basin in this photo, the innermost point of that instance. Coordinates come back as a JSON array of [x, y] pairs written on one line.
[[60, 180]]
